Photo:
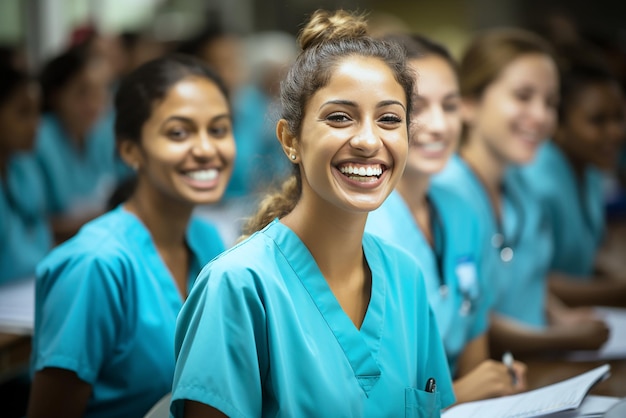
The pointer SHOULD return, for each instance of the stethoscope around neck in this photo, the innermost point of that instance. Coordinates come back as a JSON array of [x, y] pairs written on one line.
[[506, 245], [503, 244]]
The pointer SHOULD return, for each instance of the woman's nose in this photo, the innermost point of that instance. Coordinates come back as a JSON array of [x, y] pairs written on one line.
[[366, 139]]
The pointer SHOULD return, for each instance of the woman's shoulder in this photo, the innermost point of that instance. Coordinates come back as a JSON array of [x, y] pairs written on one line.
[[256, 252], [103, 240]]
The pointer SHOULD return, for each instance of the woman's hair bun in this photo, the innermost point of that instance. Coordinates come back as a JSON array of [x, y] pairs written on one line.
[[332, 25]]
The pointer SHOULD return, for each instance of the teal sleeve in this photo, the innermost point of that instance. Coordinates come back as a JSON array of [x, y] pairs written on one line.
[[79, 309], [221, 344]]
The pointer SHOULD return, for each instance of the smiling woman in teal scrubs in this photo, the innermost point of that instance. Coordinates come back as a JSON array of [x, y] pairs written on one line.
[[310, 316], [425, 220], [107, 299]]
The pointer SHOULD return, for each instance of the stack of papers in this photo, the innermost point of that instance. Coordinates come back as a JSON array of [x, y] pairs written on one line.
[[17, 307], [567, 395], [615, 347]]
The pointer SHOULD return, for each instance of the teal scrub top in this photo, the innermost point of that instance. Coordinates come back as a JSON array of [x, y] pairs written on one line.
[[519, 284], [262, 335], [575, 209], [24, 227], [106, 307], [456, 288], [78, 179]]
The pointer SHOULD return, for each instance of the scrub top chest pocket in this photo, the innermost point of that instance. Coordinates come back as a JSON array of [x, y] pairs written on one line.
[[422, 404]]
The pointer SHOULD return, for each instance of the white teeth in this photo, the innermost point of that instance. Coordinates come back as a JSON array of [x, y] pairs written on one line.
[[433, 146], [203, 175], [369, 171]]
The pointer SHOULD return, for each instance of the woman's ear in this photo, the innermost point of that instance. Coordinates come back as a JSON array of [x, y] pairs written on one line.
[[288, 141], [130, 153]]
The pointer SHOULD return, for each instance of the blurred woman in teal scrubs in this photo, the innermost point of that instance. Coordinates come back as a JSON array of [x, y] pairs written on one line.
[[510, 91], [24, 228], [425, 220], [569, 173], [107, 299], [76, 143], [310, 315]]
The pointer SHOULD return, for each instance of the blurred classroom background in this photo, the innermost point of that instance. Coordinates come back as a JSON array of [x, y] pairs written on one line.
[[263, 37], [43, 27]]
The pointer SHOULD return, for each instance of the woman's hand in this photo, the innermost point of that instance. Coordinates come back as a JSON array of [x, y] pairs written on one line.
[[488, 380]]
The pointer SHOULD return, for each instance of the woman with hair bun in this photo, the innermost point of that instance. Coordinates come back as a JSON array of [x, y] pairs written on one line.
[[310, 315]]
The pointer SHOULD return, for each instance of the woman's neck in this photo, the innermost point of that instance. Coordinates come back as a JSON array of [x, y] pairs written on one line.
[[489, 170], [414, 192], [333, 237], [485, 164], [166, 219]]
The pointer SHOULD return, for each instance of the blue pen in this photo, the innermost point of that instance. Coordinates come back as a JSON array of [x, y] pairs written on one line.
[[431, 386]]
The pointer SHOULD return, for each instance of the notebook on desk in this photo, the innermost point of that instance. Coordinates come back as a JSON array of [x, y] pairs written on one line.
[[17, 306], [567, 395]]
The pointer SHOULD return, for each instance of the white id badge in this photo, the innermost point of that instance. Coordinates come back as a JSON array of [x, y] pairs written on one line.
[[468, 281]]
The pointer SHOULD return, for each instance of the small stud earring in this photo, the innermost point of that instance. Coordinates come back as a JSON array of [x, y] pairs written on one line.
[[135, 166], [293, 156]]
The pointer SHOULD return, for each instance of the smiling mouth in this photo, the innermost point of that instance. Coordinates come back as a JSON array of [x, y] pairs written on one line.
[[361, 172], [203, 175]]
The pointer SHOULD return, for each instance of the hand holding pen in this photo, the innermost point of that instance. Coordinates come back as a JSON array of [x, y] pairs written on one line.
[[516, 370], [489, 379]]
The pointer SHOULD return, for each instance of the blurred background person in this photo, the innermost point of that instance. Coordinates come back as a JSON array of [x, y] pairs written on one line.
[[75, 143], [510, 92], [24, 228], [267, 57], [568, 174], [219, 48]]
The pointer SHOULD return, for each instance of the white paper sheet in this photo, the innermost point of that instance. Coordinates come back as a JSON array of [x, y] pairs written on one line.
[[615, 347], [17, 306], [593, 406], [562, 396]]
